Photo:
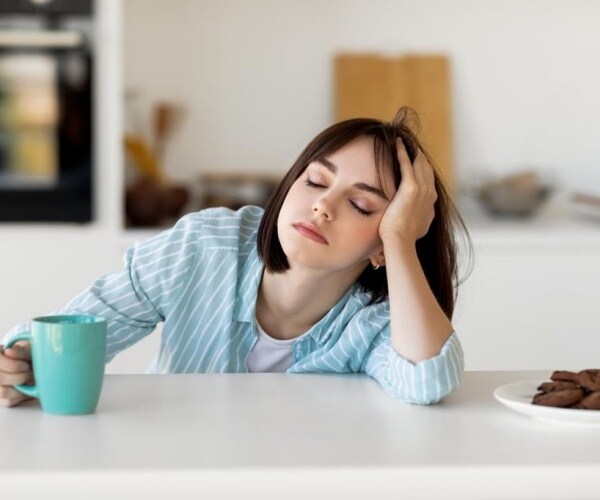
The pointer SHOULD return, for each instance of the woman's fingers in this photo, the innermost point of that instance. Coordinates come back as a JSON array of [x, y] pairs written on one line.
[[20, 350], [406, 170], [12, 362], [425, 169], [420, 171], [9, 379], [429, 173], [420, 167], [11, 397], [426, 176]]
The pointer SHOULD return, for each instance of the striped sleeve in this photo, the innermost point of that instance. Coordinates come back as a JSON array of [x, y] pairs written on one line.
[[422, 383]]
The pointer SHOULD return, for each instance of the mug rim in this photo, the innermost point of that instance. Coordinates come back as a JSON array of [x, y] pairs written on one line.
[[67, 319]]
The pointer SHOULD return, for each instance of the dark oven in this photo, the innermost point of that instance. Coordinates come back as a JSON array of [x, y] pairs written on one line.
[[46, 71]]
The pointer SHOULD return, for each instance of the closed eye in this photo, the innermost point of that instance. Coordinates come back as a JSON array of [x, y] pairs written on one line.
[[360, 210], [312, 184]]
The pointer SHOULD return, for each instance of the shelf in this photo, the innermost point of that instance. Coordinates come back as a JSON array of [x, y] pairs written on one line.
[[554, 227]]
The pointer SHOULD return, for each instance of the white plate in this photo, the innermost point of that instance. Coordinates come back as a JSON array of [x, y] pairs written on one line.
[[518, 396]]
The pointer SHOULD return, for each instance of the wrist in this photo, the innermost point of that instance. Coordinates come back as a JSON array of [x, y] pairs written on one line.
[[398, 241]]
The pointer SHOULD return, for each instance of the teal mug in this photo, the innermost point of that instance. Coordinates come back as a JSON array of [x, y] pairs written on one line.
[[68, 354]]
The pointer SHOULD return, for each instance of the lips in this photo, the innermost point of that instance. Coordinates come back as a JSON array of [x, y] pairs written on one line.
[[311, 231]]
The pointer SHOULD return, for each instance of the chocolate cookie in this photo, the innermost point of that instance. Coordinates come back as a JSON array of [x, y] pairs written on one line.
[[556, 386], [589, 379], [564, 375], [562, 398], [590, 402]]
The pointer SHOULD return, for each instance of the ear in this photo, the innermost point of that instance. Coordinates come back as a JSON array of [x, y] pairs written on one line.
[[378, 259]]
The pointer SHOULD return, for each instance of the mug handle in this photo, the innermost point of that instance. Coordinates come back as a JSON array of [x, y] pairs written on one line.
[[28, 390]]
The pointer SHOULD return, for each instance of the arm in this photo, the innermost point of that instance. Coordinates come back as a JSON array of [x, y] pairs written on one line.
[[15, 368], [419, 325], [422, 383], [417, 357]]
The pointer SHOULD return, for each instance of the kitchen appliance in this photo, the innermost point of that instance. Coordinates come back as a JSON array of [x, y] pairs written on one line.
[[46, 111]]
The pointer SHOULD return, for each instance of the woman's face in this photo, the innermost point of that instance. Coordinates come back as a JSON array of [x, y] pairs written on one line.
[[331, 214]]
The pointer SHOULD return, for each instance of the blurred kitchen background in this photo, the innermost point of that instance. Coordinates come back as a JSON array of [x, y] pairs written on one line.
[[117, 117]]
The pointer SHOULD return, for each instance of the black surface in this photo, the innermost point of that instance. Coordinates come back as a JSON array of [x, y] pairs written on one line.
[[56, 205], [72, 7]]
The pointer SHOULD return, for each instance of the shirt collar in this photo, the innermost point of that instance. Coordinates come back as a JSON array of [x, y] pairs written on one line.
[[248, 281], [322, 329]]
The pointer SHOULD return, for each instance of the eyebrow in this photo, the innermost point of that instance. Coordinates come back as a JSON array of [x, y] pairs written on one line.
[[358, 185]]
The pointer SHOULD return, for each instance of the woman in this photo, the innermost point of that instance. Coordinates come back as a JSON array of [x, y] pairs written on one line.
[[350, 268]]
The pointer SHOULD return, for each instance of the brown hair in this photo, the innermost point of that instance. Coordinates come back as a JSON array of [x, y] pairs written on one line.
[[437, 250]]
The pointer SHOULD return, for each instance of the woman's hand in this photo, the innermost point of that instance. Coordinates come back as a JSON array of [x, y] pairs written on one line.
[[15, 368], [411, 211]]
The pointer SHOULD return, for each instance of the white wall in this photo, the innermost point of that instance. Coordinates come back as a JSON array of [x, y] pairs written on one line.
[[256, 76]]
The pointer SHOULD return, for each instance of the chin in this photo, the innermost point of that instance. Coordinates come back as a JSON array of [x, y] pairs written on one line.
[[299, 253]]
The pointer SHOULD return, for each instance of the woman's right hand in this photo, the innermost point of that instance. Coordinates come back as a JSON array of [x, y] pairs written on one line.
[[15, 368]]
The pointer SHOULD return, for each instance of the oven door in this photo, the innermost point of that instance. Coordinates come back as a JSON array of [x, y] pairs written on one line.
[[45, 126]]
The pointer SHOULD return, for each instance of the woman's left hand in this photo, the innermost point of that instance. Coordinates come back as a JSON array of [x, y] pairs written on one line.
[[411, 211]]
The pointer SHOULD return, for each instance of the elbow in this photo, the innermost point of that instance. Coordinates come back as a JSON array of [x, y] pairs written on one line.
[[428, 382], [433, 396], [432, 393]]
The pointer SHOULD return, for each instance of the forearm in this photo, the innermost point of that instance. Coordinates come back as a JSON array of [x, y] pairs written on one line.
[[419, 325]]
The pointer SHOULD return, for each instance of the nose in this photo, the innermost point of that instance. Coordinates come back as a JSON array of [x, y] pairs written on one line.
[[323, 208]]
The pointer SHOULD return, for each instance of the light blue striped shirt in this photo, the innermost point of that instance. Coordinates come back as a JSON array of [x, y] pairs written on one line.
[[201, 278]]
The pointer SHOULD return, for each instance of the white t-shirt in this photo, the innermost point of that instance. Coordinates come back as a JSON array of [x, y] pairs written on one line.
[[269, 354]]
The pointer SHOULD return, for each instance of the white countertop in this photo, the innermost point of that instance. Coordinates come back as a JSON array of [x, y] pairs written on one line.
[[300, 436], [559, 224], [570, 234]]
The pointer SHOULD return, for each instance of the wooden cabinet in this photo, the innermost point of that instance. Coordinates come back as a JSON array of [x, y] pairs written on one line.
[[375, 86]]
